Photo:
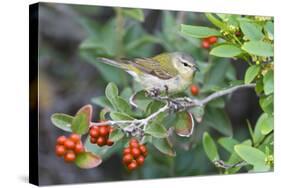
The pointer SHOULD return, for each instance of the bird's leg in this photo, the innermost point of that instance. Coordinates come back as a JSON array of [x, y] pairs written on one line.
[[166, 90], [154, 92]]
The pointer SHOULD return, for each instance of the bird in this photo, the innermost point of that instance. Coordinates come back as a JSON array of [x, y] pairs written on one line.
[[170, 72]]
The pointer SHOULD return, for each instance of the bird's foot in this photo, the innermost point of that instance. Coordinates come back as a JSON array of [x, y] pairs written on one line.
[[154, 92]]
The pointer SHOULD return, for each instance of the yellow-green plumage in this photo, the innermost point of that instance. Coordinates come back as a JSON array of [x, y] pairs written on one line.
[[174, 71]]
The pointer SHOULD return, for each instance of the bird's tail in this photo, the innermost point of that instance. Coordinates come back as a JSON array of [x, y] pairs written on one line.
[[119, 64]]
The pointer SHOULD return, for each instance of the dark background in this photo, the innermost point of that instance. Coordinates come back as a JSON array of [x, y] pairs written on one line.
[[68, 81]]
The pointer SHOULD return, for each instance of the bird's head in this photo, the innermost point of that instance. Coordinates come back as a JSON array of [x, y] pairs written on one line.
[[185, 64]]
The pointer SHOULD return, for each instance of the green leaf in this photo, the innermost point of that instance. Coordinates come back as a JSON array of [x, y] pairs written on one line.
[[251, 31], [269, 28], [87, 110], [210, 147], [217, 119], [184, 124], [267, 125], [217, 22], [259, 86], [111, 91], [102, 101], [252, 156], [198, 31], [266, 103], [141, 100], [228, 143], [258, 48], [164, 146], [121, 105], [87, 160], [80, 124], [251, 73], [156, 129], [62, 121], [116, 135], [198, 113], [136, 14], [116, 116], [268, 82], [226, 50]]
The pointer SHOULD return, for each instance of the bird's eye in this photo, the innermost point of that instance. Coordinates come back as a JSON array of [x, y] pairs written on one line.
[[185, 64]]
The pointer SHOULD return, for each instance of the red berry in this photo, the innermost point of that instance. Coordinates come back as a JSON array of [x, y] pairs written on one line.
[[205, 44], [61, 140], [126, 151], [212, 39], [135, 152], [101, 141], [78, 148], [134, 140], [103, 131], [109, 142], [143, 149], [127, 159], [69, 144], [94, 132], [69, 156], [194, 89], [93, 140], [140, 160], [60, 150], [75, 138], [133, 165]]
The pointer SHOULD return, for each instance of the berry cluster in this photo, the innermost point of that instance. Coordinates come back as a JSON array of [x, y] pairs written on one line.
[[134, 154], [207, 42], [100, 134], [194, 89], [69, 147]]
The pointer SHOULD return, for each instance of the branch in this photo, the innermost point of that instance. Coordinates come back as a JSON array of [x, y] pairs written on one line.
[[172, 104]]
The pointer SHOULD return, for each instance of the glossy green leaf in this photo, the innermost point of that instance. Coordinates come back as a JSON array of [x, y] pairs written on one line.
[[251, 73], [228, 143], [62, 121], [268, 82], [134, 13], [111, 91], [80, 124], [258, 48], [226, 50], [267, 124], [164, 146], [198, 31], [266, 103], [184, 124], [116, 135], [251, 31], [87, 160], [210, 147], [252, 156], [156, 129]]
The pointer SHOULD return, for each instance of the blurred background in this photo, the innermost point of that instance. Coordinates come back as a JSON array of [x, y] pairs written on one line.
[[72, 36]]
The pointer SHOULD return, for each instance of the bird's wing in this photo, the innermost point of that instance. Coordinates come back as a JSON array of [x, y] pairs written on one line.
[[154, 68]]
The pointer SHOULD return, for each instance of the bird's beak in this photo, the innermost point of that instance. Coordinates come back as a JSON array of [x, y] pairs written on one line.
[[195, 68]]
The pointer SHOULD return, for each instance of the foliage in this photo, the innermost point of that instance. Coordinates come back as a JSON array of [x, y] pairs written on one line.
[[240, 37]]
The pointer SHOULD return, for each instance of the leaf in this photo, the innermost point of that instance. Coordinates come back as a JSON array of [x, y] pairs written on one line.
[[111, 91], [102, 101], [217, 22], [267, 124], [226, 50], [87, 110], [116, 135], [252, 156], [269, 28], [62, 121], [184, 124], [121, 105], [198, 113], [156, 129], [87, 160], [141, 41], [134, 13], [268, 83], [141, 100], [266, 103], [116, 116], [217, 119], [228, 143], [198, 31], [164, 146], [80, 124], [251, 73], [258, 48], [251, 31], [210, 147]]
